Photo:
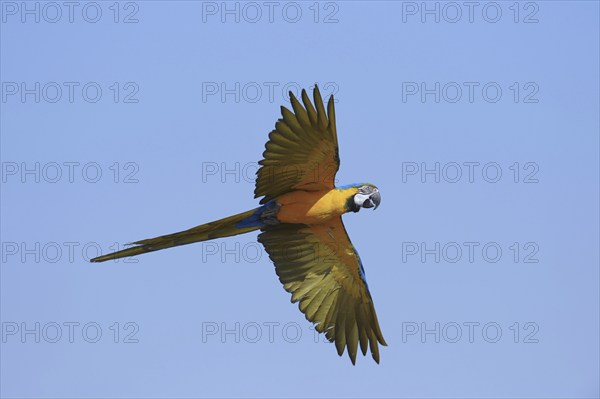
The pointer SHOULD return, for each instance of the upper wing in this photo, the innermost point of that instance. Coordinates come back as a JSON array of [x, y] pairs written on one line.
[[302, 151], [319, 266]]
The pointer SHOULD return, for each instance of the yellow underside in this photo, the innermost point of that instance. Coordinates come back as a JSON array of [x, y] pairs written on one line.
[[313, 207]]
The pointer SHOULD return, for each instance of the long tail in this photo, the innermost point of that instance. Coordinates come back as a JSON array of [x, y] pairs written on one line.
[[231, 226]]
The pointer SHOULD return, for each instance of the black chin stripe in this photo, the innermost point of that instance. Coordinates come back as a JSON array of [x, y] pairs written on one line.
[[351, 205]]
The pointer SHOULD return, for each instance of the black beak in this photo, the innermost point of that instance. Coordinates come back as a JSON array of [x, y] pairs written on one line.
[[375, 199]]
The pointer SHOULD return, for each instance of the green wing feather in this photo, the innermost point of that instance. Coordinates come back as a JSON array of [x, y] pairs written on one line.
[[319, 266], [302, 151]]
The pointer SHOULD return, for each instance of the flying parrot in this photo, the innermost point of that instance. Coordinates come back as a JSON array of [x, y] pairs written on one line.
[[300, 219]]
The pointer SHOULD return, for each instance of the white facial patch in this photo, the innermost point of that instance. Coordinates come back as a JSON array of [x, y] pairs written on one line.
[[359, 199]]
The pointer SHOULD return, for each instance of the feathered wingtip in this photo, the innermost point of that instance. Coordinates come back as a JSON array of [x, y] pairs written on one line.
[[315, 117]]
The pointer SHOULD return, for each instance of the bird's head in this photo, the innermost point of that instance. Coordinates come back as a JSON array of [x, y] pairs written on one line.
[[367, 196]]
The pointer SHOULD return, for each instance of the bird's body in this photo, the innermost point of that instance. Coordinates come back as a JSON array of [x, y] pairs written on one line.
[[301, 227], [313, 207]]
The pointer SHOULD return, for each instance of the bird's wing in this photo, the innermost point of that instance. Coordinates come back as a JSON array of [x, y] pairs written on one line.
[[319, 266], [302, 151]]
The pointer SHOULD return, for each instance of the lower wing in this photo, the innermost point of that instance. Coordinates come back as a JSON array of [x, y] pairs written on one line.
[[319, 266]]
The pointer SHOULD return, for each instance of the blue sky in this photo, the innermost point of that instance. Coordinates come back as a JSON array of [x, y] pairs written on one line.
[[122, 121]]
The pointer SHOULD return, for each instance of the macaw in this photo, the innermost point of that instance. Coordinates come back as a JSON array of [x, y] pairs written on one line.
[[301, 227]]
